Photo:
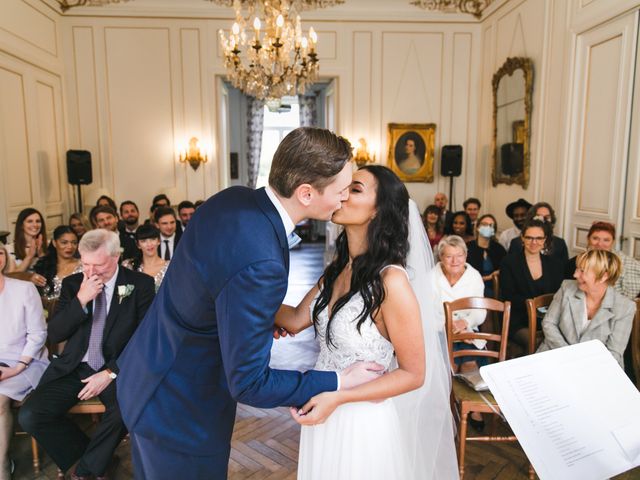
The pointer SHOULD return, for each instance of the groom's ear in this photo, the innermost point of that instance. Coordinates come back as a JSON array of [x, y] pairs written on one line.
[[304, 194]]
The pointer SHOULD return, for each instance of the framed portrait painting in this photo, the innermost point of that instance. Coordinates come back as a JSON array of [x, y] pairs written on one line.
[[411, 151]]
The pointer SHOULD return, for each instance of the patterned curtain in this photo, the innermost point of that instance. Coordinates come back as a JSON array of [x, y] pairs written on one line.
[[255, 124], [308, 111]]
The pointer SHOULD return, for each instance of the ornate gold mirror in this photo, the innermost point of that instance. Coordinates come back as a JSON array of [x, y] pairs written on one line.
[[512, 89]]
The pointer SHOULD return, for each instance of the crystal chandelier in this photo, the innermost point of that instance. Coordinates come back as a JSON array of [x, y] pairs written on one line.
[[266, 54], [67, 4], [474, 7]]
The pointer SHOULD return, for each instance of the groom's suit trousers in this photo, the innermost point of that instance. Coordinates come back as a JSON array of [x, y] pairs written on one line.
[[205, 342]]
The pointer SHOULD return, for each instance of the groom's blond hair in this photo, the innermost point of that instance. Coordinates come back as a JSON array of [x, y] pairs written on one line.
[[308, 155]]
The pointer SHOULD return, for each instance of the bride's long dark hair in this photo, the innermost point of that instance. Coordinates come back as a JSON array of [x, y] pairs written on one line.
[[387, 244]]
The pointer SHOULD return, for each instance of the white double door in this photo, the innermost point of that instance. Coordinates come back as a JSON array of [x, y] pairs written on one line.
[[604, 141]]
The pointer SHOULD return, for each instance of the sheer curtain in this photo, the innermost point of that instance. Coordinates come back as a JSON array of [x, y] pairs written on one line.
[[308, 110], [255, 125]]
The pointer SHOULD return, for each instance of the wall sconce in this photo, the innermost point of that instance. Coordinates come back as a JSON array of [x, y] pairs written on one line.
[[363, 155], [193, 155]]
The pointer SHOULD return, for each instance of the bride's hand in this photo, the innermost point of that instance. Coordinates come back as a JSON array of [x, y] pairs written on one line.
[[317, 409]]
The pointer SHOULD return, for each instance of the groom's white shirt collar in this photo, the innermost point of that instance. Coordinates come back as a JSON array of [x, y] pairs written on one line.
[[289, 226]]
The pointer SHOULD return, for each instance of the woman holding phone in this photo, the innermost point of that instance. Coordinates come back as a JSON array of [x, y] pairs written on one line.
[[23, 356]]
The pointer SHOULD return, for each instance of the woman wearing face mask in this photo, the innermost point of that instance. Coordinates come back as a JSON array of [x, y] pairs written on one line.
[[485, 253], [59, 262]]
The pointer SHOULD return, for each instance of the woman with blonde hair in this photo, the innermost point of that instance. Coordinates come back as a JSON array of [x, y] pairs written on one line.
[[23, 357], [590, 308], [80, 224]]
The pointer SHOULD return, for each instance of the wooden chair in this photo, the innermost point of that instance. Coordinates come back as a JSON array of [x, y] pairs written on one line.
[[34, 445], [634, 343], [535, 336], [496, 284], [465, 399]]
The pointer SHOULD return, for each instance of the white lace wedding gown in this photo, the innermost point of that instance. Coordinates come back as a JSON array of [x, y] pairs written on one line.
[[359, 440]]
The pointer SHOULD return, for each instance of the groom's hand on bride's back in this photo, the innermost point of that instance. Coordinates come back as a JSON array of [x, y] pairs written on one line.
[[359, 373]]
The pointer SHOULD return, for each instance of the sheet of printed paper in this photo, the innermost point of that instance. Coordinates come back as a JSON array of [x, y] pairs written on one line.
[[574, 411]]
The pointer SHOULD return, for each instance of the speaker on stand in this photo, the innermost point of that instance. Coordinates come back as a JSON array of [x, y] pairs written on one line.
[[79, 171], [451, 166]]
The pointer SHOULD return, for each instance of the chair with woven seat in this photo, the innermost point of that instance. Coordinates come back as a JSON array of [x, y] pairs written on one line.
[[464, 398], [533, 304]]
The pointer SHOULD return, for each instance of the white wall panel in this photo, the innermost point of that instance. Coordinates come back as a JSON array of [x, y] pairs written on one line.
[[138, 71], [13, 120], [32, 28], [362, 85], [47, 153]]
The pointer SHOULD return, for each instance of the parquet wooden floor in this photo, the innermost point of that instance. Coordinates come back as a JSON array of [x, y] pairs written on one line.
[[265, 442], [265, 447]]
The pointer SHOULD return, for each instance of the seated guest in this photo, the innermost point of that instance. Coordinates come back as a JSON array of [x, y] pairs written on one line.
[[98, 312], [80, 224], [589, 307], [29, 245], [433, 224], [130, 217], [169, 234], [440, 200], [472, 208], [485, 252], [107, 219], [148, 261], [453, 278], [186, 209], [22, 350], [198, 203], [460, 226], [516, 211], [602, 236], [558, 248], [161, 200], [527, 274], [59, 262], [106, 201]]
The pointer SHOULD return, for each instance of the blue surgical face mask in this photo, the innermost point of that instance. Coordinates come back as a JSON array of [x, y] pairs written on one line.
[[486, 231]]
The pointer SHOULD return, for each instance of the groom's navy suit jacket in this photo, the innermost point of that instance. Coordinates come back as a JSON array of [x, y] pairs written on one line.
[[205, 341]]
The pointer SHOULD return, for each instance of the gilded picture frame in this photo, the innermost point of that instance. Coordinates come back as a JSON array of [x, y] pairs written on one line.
[[411, 151], [520, 129]]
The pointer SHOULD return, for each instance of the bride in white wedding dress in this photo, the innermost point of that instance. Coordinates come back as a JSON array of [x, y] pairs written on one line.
[[364, 308]]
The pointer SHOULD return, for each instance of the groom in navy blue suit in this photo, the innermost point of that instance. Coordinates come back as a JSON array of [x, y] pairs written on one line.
[[205, 342]]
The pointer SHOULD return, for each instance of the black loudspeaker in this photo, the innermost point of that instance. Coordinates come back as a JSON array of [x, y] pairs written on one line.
[[512, 158], [79, 167], [451, 161]]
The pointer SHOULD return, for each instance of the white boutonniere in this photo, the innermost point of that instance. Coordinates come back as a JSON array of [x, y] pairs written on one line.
[[124, 291]]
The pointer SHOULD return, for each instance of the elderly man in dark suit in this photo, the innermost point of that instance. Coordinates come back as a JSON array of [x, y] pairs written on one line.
[[98, 311]]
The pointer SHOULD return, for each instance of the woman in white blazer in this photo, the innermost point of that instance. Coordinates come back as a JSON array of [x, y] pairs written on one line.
[[23, 356], [589, 307]]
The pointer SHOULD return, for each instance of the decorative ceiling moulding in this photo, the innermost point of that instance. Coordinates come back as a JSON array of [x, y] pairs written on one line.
[[474, 7], [67, 4], [347, 11]]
